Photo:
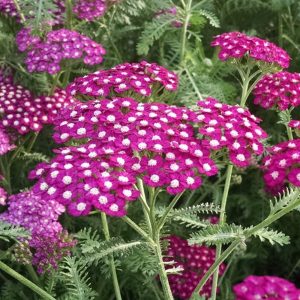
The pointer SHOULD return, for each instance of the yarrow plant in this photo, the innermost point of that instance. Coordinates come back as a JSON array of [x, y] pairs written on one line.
[[280, 90], [266, 287], [237, 45], [230, 127], [194, 261], [5, 144], [129, 79], [47, 55], [281, 165], [127, 140], [48, 240], [89, 9], [22, 111], [3, 196]]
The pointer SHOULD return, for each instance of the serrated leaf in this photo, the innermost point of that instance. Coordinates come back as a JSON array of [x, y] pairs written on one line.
[[217, 234], [272, 236]]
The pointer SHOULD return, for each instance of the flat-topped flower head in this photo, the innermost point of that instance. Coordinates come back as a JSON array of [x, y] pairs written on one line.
[[230, 127], [89, 9], [237, 45], [22, 111], [126, 79], [46, 55], [282, 165], [266, 288], [121, 140], [49, 241], [5, 144], [279, 90], [194, 261]]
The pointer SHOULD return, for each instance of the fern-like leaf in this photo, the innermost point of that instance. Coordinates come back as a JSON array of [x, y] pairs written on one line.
[[75, 277], [204, 208], [272, 236], [191, 220], [11, 232], [290, 195], [217, 234]]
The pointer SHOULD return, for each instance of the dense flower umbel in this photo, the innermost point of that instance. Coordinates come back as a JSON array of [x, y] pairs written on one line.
[[236, 45], [195, 261], [280, 90], [141, 78], [230, 127], [8, 8], [266, 288], [20, 110], [5, 145], [47, 55], [153, 141], [3, 196], [40, 216], [89, 9], [282, 165]]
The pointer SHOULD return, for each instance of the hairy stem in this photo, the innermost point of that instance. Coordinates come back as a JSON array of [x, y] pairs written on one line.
[[187, 8], [18, 8], [25, 281], [111, 260], [221, 222]]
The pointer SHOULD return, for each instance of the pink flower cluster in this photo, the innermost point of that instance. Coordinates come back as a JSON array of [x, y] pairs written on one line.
[[230, 127], [236, 45], [89, 9], [282, 165], [8, 9], [126, 140], [48, 239], [170, 11], [195, 261], [47, 55], [20, 110], [280, 90], [294, 124], [266, 288], [5, 144], [142, 78], [3, 196]]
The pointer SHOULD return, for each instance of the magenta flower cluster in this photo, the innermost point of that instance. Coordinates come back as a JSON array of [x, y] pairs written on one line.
[[5, 144], [294, 124], [89, 9], [282, 165], [195, 261], [266, 288], [21, 111], [3, 196], [8, 9], [47, 55], [280, 90], [236, 45], [230, 127], [49, 241], [127, 139], [141, 78]]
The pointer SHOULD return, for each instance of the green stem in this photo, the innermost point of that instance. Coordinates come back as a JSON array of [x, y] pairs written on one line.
[[111, 260], [221, 222], [33, 275], [18, 8], [187, 9], [268, 221], [289, 133], [25, 281], [162, 272], [163, 219], [138, 229], [32, 141]]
